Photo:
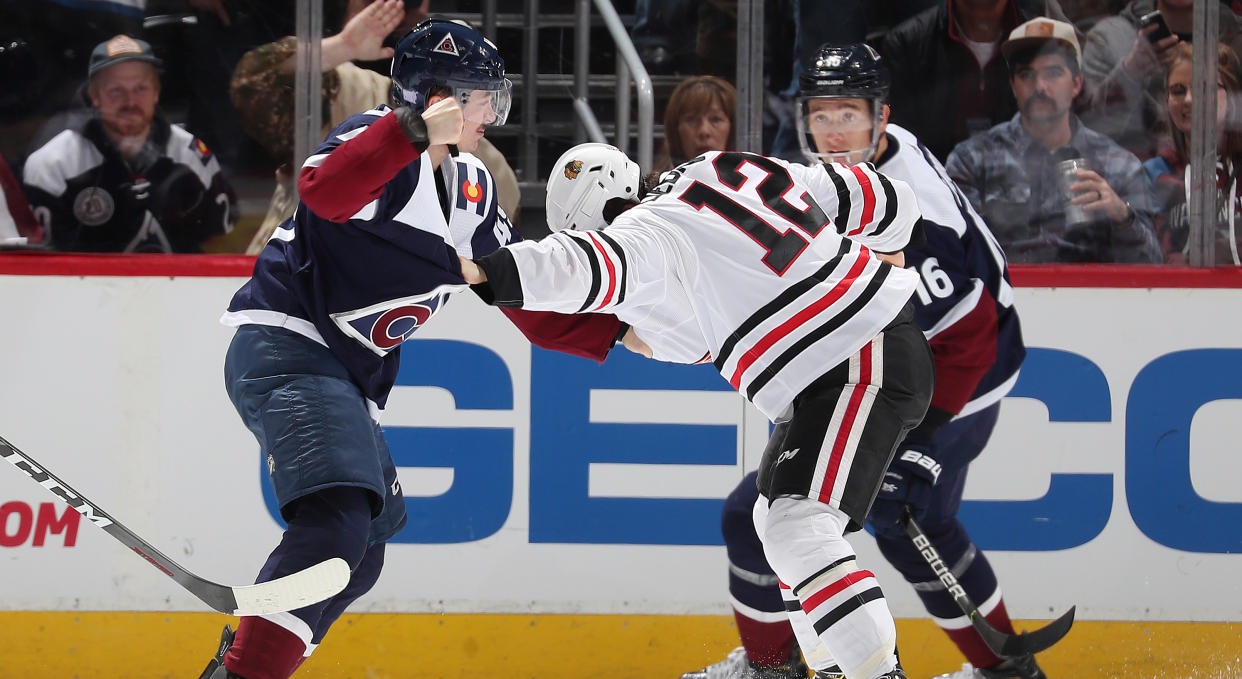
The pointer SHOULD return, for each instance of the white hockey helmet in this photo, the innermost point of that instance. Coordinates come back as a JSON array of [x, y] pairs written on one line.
[[582, 182]]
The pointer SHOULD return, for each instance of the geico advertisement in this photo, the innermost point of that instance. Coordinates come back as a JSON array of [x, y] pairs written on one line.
[[539, 482]]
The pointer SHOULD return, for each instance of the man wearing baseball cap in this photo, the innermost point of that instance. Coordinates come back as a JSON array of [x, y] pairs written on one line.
[[124, 179], [1013, 173]]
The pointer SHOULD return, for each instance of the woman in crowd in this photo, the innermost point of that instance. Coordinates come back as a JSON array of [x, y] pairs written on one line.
[[699, 118], [1169, 170]]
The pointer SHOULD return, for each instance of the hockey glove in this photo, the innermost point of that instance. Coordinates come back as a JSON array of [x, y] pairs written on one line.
[[907, 483]]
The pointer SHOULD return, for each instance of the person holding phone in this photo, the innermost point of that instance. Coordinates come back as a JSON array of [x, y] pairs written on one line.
[[1123, 65]]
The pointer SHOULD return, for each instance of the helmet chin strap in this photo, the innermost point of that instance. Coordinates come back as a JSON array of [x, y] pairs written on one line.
[[852, 157]]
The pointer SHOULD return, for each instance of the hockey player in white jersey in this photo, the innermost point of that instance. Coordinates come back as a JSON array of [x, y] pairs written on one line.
[[788, 278], [965, 307]]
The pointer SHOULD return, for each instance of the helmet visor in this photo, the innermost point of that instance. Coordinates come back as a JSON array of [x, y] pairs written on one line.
[[485, 107], [838, 129]]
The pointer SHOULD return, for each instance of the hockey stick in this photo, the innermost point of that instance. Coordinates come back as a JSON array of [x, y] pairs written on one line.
[[291, 592], [1014, 646]]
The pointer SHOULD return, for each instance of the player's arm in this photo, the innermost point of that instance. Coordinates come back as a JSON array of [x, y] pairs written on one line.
[[587, 335], [345, 175], [571, 271]]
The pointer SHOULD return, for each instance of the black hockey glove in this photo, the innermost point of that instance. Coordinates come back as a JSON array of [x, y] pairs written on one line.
[[907, 483]]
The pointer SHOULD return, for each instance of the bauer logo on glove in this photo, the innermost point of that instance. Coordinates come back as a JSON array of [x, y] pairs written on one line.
[[915, 457]]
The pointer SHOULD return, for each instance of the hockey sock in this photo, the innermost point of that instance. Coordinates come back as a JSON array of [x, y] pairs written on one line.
[[767, 643], [973, 572], [843, 604], [263, 649], [968, 640], [334, 522]]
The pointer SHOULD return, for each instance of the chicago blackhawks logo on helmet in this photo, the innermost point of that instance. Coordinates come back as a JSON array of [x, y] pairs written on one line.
[[572, 168]]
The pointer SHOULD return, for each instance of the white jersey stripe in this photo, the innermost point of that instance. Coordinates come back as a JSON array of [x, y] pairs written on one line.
[[841, 438], [866, 378]]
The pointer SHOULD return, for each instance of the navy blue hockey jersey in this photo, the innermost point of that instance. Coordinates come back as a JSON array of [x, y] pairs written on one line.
[[964, 302], [364, 285]]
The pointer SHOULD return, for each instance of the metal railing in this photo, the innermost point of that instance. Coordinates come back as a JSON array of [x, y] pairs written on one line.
[[629, 69]]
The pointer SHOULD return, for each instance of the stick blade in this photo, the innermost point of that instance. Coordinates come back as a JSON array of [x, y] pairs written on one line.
[[293, 591], [1028, 643]]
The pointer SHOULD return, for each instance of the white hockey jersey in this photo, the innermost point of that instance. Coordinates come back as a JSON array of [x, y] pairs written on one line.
[[762, 266]]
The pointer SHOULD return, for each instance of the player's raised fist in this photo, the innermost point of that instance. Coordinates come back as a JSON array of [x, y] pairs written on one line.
[[444, 121]]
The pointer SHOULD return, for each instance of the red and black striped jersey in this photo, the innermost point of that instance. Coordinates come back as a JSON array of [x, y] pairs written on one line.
[[762, 266]]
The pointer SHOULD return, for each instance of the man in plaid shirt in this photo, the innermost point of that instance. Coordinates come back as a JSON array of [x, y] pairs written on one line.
[[1010, 173]]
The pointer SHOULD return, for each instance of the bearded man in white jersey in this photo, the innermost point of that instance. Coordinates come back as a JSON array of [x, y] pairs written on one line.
[[788, 278]]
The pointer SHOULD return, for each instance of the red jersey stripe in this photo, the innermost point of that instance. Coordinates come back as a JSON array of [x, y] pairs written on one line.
[[752, 354], [835, 588], [868, 212], [612, 272]]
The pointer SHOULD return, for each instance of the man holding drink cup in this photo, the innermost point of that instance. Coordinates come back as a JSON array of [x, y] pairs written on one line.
[[1051, 189]]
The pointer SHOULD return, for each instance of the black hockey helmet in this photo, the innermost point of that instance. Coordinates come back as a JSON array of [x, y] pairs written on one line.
[[842, 71], [439, 52], [846, 70]]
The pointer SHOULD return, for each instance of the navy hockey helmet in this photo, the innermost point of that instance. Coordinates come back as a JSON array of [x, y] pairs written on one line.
[[841, 71], [439, 52]]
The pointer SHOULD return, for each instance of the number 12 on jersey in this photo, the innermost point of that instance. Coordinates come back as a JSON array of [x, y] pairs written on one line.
[[781, 247]]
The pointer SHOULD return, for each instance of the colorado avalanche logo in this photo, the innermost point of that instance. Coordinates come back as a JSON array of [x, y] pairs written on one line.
[[447, 46], [392, 327], [383, 327], [572, 168]]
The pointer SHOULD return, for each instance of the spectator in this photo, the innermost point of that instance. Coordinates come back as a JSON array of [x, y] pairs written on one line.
[[716, 49], [1169, 170], [123, 179], [1010, 173], [1125, 75], [948, 83], [699, 118], [17, 222], [262, 91]]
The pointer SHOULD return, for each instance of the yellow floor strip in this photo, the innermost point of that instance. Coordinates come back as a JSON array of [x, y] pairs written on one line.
[[39, 645]]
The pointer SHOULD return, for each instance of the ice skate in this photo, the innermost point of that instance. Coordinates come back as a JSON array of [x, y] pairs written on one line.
[[737, 665], [729, 668], [215, 668], [1011, 668]]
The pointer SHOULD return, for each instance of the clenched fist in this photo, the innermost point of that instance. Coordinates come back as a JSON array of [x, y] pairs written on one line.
[[444, 122]]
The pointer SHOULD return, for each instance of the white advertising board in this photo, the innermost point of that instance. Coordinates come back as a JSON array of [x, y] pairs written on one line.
[[541, 483]]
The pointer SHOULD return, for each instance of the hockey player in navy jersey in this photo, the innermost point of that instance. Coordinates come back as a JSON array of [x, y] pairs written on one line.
[[788, 279], [390, 200], [964, 303]]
